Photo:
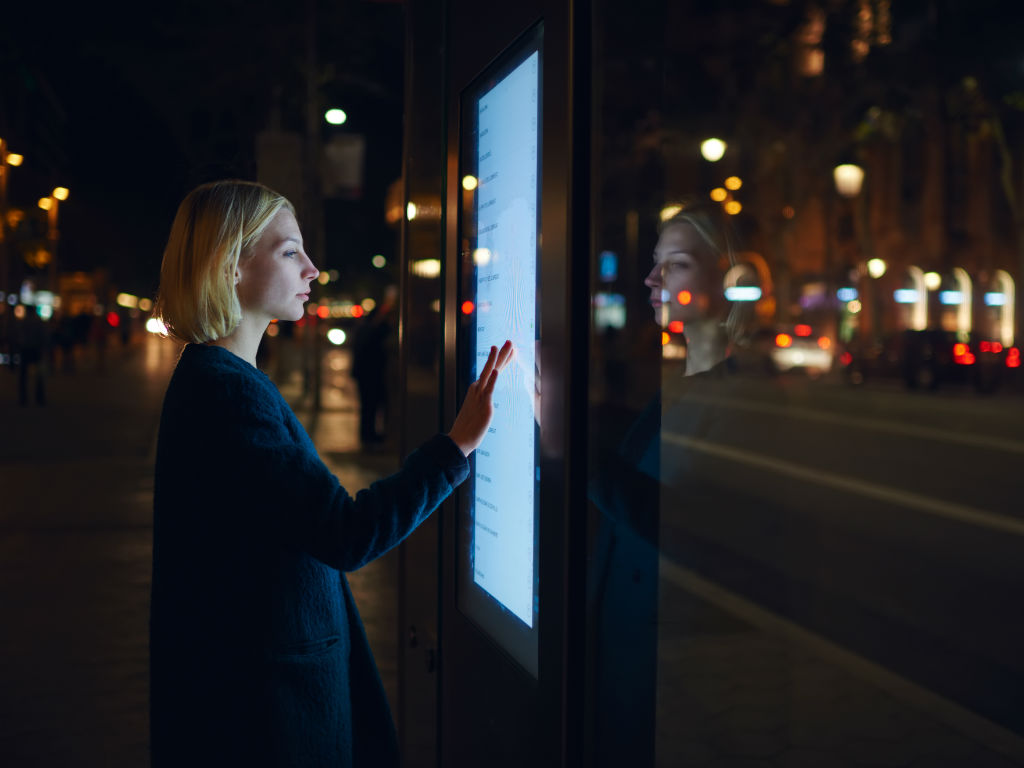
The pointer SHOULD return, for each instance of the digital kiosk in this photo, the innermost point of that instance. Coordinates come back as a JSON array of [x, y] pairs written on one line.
[[500, 172]]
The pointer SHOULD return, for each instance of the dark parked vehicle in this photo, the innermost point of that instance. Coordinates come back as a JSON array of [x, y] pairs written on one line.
[[930, 359]]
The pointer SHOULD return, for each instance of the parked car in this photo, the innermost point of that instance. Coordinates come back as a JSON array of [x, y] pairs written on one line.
[[930, 359], [796, 347]]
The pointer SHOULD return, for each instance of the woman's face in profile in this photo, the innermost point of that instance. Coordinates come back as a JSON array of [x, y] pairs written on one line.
[[274, 278], [679, 281]]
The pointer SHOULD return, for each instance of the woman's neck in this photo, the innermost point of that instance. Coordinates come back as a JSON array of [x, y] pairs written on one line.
[[706, 346], [244, 341]]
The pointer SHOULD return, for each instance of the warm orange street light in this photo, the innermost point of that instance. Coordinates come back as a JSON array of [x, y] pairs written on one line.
[[8, 159], [51, 205]]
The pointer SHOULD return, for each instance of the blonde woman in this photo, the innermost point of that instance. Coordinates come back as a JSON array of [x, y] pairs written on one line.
[[258, 655]]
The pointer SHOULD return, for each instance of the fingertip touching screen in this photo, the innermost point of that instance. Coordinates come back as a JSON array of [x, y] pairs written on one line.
[[499, 233]]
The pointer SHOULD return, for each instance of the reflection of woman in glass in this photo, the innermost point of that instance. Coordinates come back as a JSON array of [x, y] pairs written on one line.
[[692, 258]]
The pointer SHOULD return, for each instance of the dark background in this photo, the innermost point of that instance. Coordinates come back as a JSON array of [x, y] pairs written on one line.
[[130, 106]]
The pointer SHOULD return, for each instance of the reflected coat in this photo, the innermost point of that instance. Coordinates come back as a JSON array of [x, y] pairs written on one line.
[[258, 654]]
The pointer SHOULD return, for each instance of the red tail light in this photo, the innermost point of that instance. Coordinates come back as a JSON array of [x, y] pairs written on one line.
[[1013, 358], [783, 340], [846, 358], [802, 330], [962, 354], [825, 342], [676, 326], [986, 346]]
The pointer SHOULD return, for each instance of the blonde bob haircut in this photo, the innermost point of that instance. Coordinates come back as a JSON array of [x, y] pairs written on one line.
[[216, 226]]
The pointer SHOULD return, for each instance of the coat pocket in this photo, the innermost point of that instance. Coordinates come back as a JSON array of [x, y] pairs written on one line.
[[309, 707]]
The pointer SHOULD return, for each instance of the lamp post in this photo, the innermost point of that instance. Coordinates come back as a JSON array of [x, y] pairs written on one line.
[[51, 205], [848, 179], [8, 160]]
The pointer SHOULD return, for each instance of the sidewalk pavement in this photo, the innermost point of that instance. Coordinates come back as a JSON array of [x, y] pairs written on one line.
[[76, 556]]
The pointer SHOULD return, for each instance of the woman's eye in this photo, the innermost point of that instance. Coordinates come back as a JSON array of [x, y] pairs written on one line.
[[291, 254]]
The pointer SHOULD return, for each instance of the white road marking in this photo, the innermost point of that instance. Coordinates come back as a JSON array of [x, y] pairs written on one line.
[[974, 726], [881, 425], [937, 507]]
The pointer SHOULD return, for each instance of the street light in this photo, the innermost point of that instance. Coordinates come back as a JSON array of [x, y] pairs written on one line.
[[8, 159], [713, 149], [848, 178], [335, 116], [51, 205]]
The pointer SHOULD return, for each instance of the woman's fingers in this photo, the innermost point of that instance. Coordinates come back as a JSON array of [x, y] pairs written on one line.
[[496, 360], [491, 382], [489, 364], [505, 354]]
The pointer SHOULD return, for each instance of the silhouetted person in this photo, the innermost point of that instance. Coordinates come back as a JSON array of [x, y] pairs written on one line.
[[31, 342], [257, 652], [64, 339], [369, 369]]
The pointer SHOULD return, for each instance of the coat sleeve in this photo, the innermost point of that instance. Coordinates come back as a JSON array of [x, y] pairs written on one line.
[[298, 502]]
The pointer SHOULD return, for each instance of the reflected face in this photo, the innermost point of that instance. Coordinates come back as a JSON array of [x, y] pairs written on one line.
[[679, 280], [274, 278]]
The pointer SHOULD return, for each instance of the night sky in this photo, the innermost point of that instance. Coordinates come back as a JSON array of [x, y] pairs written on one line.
[[131, 106]]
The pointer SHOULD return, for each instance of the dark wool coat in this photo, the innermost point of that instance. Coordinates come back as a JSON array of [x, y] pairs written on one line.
[[258, 656]]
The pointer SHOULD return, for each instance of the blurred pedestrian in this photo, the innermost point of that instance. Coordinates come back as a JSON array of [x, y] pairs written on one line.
[[32, 347], [369, 369], [99, 330], [64, 340], [257, 652]]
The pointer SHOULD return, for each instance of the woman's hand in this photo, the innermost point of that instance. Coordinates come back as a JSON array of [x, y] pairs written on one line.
[[477, 409]]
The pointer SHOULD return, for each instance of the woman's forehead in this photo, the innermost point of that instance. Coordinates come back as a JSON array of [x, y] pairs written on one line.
[[681, 236], [280, 228]]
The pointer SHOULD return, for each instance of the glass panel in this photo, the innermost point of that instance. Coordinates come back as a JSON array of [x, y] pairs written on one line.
[[805, 405]]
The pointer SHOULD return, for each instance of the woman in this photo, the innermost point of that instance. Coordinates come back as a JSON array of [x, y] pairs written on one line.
[[693, 260], [258, 655]]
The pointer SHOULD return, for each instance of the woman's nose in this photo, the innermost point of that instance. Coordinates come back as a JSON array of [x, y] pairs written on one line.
[[653, 279], [310, 272]]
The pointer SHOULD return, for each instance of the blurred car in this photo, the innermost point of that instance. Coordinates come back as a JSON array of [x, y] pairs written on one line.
[[930, 359], [793, 347]]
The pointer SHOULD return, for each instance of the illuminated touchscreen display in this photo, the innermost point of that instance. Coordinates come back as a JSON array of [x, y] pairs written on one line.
[[506, 279], [500, 226]]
